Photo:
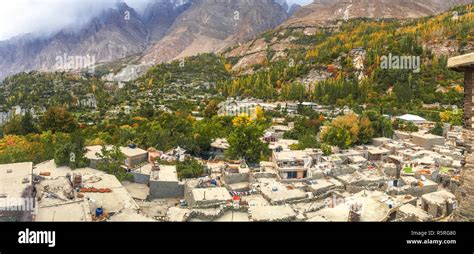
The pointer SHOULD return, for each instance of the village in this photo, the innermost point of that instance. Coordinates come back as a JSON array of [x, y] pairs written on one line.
[[410, 177]]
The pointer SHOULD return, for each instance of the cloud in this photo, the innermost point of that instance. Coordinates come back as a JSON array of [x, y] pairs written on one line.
[[300, 2], [47, 16], [43, 17]]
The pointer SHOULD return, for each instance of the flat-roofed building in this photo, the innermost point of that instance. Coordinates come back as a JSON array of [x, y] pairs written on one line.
[[15, 191], [427, 141], [133, 156], [295, 164]]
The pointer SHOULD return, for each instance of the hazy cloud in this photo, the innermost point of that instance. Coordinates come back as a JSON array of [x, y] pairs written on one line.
[[47, 16]]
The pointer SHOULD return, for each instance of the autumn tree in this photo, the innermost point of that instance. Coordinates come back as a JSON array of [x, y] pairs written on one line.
[[245, 140], [58, 119]]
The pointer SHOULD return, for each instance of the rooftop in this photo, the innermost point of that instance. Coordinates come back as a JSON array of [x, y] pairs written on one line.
[[438, 197], [14, 178], [92, 151], [203, 194], [411, 118], [114, 201], [294, 155], [165, 174], [271, 213]]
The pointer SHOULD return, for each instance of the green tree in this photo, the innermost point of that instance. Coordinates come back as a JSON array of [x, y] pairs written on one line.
[[28, 124], [437, 129], [111, 161], [189, 168], [366, 132], [338, 136], [69, 150], [211, 108], [245, 141], [13, 127], [58, 119]]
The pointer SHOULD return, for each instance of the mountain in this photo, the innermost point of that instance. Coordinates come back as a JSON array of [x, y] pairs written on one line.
[[210, 26], [106, 37], [160, 15], [303, 30], [321, 12], [165, 30], [293, 8]]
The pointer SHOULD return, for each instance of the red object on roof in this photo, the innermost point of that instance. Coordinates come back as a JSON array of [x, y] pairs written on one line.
[[236, 198]]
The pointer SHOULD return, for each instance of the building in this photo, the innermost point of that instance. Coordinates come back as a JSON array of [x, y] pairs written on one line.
[[205, 197], [412, 118], [16, 194], [74, 195], [438, 204], [133, 156], [219, 146], [164, 183], [465, 63], [427, 141], [295, 164]]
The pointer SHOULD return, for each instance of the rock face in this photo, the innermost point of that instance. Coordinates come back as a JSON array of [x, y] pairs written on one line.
[[322, 11], [210, 26], [107, 37]]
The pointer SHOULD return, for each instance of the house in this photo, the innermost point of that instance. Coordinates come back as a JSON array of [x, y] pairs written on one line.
[[219, 146], [196, 196], [465, 63], [377, 154], [164, 183], [412, 118], [411, 213], [74, 195], [438, 204], [16, 194], [279, 130], [133, 156], [381, 141], [427, 141], [295, 164]]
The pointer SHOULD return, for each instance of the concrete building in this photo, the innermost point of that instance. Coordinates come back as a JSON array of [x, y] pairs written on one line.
[[133, 156], [16, 202], [465, 63], [59, 201], [427, 141], [164, 183], [295, 164], [438, 204], [411, 213], [199, 196]]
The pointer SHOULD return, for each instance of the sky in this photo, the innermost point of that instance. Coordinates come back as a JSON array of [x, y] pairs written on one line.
[[19, 17]]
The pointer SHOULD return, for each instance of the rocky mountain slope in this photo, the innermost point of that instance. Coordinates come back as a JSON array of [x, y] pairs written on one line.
[[320, 12], [210, 26], [167, 29]]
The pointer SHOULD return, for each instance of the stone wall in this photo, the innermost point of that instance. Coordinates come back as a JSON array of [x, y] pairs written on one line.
[[465, 194], [159, 190]]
